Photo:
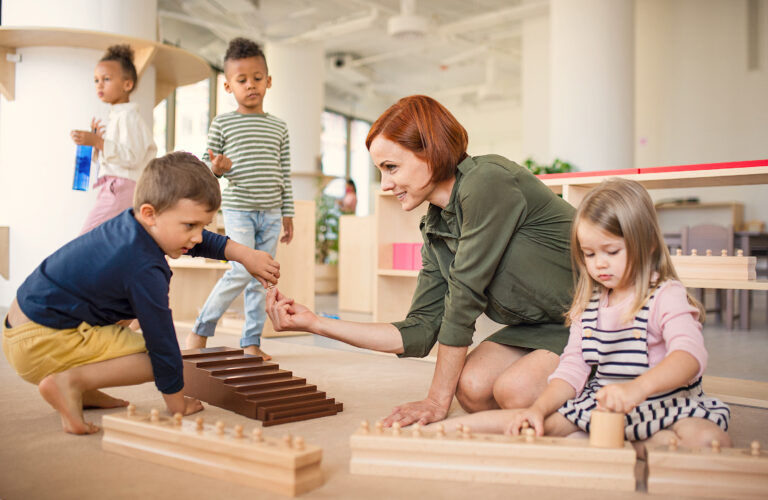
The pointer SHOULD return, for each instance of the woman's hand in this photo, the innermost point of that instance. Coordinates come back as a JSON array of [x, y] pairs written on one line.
[[620, 398], [423, 412], [286, 315]]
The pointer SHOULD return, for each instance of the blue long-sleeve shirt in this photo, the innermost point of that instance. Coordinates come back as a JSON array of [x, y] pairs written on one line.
[[114, 272]]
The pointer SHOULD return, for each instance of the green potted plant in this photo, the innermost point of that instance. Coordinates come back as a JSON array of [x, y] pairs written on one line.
[[326, 244], [558, 166]]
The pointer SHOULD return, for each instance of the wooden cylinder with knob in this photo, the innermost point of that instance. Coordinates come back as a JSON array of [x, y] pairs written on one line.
[[606, 429]]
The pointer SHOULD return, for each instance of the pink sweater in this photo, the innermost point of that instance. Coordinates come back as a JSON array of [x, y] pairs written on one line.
[[673, 325]]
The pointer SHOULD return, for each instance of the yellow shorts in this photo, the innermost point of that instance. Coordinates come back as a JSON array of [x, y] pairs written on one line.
[[36, 351]]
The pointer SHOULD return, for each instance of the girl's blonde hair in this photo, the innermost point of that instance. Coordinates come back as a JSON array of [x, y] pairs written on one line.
[[623, 208]]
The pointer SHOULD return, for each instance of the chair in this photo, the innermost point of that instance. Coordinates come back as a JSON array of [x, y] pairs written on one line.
[[713, 237]]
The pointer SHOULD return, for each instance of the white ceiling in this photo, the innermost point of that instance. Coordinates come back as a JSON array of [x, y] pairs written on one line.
[[470, 51]]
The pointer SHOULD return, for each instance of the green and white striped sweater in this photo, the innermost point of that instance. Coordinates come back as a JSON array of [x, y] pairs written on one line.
[[258, 146]]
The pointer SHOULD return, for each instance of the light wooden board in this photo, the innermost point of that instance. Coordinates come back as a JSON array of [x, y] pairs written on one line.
[[272, 464], [737, 391], [704, 472], [356, 263], [715, 267], [492, 458]]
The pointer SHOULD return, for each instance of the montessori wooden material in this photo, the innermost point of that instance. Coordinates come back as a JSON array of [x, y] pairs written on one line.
[[491, 458], [606, 429], [712, 472], [247, 385], [716, 267], [283, 465]]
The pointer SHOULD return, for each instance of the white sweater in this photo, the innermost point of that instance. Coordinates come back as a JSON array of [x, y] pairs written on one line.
[[128, 143]]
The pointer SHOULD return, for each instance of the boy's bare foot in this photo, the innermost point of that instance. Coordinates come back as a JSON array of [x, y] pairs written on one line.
[[98, 399], [195, 341], [57, 389], [255, 350]]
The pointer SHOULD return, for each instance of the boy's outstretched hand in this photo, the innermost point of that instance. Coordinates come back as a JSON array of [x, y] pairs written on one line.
[[219, 163], [262, 266]]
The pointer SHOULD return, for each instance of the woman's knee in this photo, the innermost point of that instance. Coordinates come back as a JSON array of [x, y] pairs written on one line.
[[474, 390], [522, 383], [515, 391]]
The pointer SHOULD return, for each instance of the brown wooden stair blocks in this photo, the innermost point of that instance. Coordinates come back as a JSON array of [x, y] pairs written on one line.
[[283, 465], [228, 378]]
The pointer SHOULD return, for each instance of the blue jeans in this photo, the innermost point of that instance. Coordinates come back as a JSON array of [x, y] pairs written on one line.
[[257, 229]]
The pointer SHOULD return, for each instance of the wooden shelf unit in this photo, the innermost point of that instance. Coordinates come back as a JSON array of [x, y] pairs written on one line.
[[174, 67], [393, 288], [575, 186]]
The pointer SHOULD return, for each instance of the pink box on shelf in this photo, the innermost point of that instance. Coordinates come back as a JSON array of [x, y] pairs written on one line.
[[402, 255], [417, 264]]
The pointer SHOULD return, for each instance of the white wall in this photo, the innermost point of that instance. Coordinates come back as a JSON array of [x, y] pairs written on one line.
[[55, 94], [696, 101]]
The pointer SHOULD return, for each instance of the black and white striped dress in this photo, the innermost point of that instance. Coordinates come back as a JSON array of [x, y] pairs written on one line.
[[622, 355]]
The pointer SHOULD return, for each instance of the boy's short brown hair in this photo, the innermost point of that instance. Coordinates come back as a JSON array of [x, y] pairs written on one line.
[[174, 177]]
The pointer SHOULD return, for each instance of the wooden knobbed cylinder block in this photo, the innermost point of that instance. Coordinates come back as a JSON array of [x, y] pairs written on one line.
[[606, 429]]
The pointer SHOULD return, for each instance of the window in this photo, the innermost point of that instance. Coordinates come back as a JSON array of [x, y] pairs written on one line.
[[192, 117], [344, 155]]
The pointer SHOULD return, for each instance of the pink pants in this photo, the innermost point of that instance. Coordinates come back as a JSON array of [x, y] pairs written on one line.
[[115, 196]]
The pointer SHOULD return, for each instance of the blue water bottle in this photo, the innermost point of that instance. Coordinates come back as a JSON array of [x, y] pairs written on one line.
[[82, 168]]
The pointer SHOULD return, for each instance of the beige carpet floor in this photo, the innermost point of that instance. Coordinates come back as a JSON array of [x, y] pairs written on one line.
[[39, 461]]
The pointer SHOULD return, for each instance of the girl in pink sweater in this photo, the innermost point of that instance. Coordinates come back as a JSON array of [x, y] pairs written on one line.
[[633, 322]]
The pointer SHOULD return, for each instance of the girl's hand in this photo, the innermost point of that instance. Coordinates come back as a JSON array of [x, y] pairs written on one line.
[[424, 412], [530, 416], [286, 315], [96, 127], [85, 138], [620, 398], [262, 266], [220, 164]]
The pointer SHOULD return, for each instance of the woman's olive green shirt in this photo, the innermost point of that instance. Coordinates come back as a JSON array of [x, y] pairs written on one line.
[[501, 246]]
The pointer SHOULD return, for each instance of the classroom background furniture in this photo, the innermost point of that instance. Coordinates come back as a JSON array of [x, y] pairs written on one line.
[[714, 238], [194, 278]]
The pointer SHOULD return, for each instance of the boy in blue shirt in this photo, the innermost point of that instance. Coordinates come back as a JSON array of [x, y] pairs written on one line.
[[66, 330]]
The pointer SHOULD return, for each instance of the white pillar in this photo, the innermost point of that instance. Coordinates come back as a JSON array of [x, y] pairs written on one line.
[[297, 97], [55, 94], [592, 83], [535, 89]]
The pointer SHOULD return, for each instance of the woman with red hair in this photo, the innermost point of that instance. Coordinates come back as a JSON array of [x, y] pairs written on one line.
[[496, 241]]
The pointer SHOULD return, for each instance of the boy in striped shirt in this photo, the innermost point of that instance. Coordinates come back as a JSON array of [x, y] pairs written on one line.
[[250, 149]]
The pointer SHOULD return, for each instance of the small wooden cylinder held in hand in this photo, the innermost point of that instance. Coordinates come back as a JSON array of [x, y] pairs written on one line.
[[606, 429]]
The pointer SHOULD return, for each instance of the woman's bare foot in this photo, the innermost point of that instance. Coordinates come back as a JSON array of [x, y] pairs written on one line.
[[255, 350], [195, 341], [98, 399], [57, 389]]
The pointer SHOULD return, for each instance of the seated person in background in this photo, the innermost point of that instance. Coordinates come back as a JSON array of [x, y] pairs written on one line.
[[348, 204], [64, 329]]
